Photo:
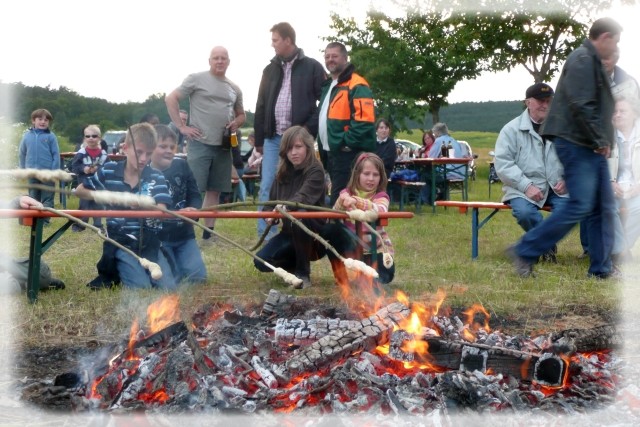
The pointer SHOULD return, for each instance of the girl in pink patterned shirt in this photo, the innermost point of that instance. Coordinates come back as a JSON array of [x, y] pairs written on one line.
[[366, 191]]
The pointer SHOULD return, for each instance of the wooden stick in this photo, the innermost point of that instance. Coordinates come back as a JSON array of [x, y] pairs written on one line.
[[351, 264], [285, 275], [152, 267]]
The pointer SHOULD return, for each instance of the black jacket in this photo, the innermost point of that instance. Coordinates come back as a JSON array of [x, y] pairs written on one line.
[[307, 76], [388, 153], [582, 106]]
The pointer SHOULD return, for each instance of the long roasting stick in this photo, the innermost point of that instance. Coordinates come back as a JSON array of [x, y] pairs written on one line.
[[285, 275], [351, 264], [153, 268]]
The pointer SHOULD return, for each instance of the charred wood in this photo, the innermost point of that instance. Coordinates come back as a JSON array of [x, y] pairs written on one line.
[[341, 343], [599, 338]]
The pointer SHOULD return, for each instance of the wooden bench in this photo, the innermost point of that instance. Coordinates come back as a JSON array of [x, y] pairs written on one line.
[[37, 247], [407, 189], [252, 182], [476, 224]]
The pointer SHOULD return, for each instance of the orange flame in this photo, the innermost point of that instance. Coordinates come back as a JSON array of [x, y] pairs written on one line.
[[163, 312], [471, 321]]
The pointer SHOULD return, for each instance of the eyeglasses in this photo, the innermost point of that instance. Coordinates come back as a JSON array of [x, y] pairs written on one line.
[[92, 136]]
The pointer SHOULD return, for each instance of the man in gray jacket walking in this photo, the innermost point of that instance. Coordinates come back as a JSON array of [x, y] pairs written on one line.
[[528, 165]]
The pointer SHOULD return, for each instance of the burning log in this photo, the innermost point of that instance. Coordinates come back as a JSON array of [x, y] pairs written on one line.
[[277, 304], [266, 375], [599, 338], [342, 343], [299, 332], [546, 368]]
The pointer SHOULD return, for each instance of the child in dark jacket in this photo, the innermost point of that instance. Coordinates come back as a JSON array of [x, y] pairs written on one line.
[[87, 161], [39, 150], [177, 236]]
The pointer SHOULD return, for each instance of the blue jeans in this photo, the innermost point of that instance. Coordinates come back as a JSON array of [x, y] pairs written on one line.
[[270, 157], [43, 196], [186, 260], [527, 214], [133, 275], [590, 199]]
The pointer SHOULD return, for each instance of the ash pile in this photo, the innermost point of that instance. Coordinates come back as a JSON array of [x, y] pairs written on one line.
[[298, 356]]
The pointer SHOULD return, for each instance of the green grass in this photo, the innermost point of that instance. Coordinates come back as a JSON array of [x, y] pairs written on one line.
[[432, 252]]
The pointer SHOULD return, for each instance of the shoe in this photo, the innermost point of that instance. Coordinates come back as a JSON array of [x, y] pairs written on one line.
[[77, 228], [583, 255], [551, 255], [523, 268], [101, 283], [55, 284]]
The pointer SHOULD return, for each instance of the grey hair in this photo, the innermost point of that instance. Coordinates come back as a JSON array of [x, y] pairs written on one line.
[[440, 129]]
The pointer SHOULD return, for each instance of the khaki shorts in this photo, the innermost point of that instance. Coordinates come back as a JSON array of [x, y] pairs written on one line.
[[211, 166]]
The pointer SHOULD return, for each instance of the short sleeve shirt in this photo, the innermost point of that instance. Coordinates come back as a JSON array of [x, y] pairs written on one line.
[[213, 101]]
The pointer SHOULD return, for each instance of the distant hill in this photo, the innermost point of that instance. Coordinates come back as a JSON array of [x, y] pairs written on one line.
[[72, 111], [489, 116]]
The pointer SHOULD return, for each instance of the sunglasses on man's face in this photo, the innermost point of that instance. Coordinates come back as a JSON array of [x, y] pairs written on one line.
[[91, 136]]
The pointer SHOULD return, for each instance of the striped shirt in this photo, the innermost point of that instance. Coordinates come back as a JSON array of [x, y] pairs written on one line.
[[283, 103], [131, 232]]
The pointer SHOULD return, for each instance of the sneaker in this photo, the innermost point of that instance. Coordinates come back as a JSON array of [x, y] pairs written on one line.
[[551, 255], [614, 274], [101, 283], [522, 266], [56, 284]]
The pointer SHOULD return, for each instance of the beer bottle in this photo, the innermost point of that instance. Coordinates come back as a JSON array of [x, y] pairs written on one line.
[[444, 151], [234, 139]]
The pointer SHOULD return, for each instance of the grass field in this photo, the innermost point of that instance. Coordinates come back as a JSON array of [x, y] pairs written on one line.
[[432, 253]]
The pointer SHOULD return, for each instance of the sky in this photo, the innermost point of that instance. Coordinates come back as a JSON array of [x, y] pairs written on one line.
[[128, 50]]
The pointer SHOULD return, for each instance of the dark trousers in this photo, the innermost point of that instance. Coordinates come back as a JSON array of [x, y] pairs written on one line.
[[591, 201], [340, 167], [292, 250], [345, 242]]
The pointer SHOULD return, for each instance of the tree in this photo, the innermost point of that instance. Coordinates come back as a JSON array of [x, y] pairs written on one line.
[[411, 61], [416, 60]]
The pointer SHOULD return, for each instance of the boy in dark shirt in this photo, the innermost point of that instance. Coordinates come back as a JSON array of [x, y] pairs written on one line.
[[177, 236]]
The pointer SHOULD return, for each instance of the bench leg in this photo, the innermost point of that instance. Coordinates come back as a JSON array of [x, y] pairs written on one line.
[[474, 233], [35, 254]]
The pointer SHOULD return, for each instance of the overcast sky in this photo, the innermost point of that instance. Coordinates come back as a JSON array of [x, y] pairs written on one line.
[[127, 50]]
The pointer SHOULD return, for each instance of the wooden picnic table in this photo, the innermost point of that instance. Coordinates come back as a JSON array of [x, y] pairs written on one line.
[[428, 167]]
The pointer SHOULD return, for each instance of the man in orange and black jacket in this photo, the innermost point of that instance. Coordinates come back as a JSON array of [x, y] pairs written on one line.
[[347, 118]]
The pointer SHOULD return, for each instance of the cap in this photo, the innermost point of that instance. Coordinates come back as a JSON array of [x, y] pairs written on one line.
[[539, 91]]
